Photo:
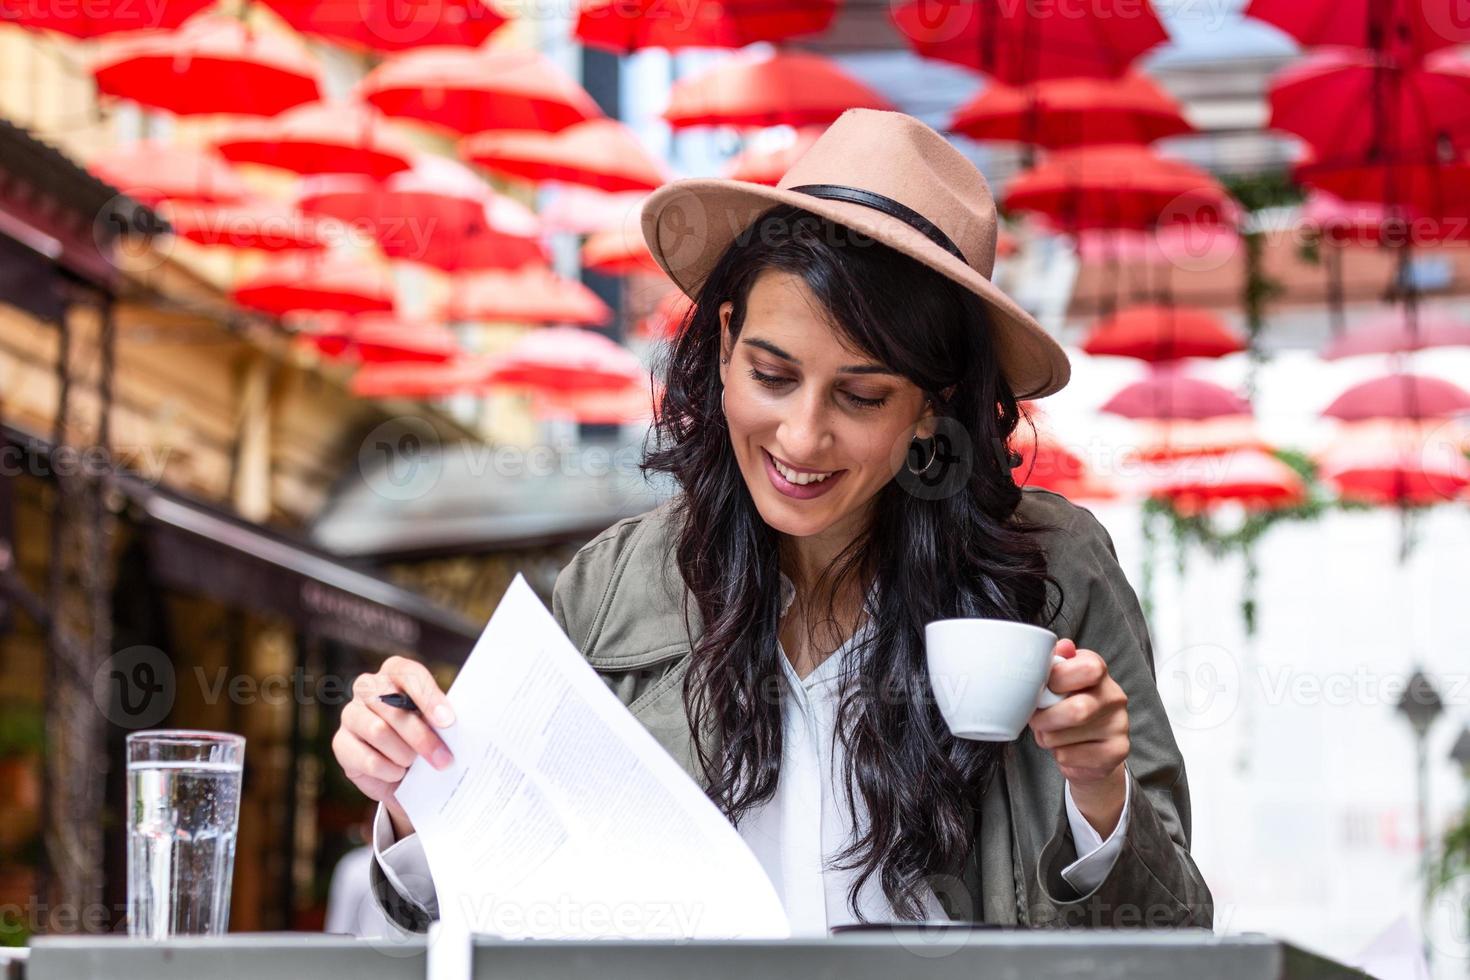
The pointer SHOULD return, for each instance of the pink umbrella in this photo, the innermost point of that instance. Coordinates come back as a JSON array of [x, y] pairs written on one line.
[[531, 294], [787, 88], [1400, 396], [600, 153], [567, 359], [328, 282], [470, 91], [1172, 395], [1396, 333], [213, 64], [151, 171], [320, 138]]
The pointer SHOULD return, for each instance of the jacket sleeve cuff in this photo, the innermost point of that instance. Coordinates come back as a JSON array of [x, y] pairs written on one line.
[[399, 876], [1145, 887], [1098, 855]]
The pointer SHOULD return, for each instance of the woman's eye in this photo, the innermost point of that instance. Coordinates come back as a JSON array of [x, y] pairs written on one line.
[[862, 402], [769, 380]]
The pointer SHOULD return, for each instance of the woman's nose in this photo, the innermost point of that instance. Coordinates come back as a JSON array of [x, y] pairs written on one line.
[[806, 432]]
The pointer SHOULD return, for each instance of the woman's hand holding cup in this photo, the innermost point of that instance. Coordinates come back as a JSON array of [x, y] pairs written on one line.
[[1087, 731], [992, 678], [376, 743]]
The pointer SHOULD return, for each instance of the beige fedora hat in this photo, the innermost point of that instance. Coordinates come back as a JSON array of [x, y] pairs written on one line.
[[889, 177]]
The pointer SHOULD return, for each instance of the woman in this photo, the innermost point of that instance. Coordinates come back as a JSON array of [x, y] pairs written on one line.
[[838, 411]]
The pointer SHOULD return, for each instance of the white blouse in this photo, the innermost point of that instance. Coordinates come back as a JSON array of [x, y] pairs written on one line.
[[805, 822]]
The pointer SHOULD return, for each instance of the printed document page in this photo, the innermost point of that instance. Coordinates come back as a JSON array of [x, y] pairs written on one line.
[[562, 817]]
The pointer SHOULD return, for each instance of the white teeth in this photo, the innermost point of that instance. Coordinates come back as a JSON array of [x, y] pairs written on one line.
[[800, 479]]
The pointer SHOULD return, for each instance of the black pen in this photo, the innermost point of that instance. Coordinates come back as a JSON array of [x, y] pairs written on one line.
[[398, 700]]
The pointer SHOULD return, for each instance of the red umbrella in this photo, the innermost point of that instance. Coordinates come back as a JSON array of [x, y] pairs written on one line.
[[320, 138], [378, 338], [618, 252], [1172, 395], [1118, 187], [390, 25], [1175, 438], [1251, 477], [329, 282], [1211, 246], [1073, 112], [768, 166], [1408, 29], [600, 153], [1419, 189], [1400, 396], [1398, 463], [1397, 333], [469, 91], [787, 88], [99, 17], [1046, 463], [1162, 333], [1352, 106], [152, 171], [624, 26], [507, 237], [582, 210], [263, 226], [532, 294], [213, 64], [406, 212], [419, 379], [631, 404], [668, 315], [1018, 43], [567, 359]]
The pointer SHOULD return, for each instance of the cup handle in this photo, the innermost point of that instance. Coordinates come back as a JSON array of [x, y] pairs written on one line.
[[1048, 697]]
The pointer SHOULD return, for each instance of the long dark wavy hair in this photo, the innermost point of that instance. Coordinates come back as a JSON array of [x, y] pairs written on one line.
[[964, 553]]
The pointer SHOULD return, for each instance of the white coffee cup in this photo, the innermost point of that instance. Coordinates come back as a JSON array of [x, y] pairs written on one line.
[[989, 675]]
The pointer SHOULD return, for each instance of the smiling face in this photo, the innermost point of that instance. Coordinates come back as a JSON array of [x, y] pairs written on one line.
[[794, 396]]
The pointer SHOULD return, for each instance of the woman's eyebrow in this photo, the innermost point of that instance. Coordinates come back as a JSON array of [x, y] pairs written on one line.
[[771, 348]]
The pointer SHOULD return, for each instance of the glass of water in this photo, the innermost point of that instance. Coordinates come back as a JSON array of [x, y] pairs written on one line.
[[183, 811]]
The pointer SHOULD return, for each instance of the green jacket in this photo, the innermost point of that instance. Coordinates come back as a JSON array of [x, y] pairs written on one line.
[[620, 600]]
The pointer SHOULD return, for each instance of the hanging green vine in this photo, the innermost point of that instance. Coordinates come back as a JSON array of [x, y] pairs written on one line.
[[1204, 528]]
